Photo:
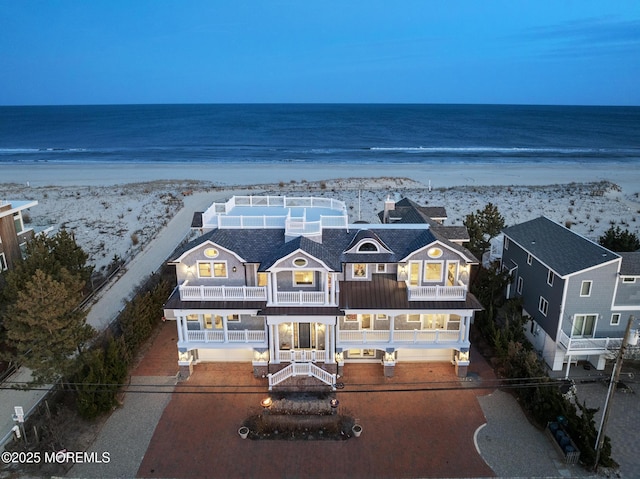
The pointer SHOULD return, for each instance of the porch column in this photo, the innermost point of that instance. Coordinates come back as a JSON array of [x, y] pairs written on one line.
[[269, 292], [566, 376], [327, 342], [467, 324], [334, 299], [326, 288], [225, 331], [276, 344], [274, 285], [392, 321], [179, 326], [185, 335]]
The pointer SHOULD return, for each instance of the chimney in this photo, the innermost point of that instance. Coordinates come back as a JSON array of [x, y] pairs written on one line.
[[389, 205]]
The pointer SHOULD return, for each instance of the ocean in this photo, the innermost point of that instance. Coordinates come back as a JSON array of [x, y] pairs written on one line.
[[323, 133]]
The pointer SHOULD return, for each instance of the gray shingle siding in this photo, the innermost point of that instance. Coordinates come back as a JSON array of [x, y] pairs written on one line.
[[535, 285], [599, 302]]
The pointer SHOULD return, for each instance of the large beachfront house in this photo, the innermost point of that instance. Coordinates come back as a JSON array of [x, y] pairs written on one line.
[[13, 234], [576, 295], [288, 285]]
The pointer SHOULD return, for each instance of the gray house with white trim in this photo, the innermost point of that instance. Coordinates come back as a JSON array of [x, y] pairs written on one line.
[[576, 294], [290, 287]]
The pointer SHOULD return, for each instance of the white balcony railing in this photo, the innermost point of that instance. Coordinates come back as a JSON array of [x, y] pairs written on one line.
[[300, 297], [365, 336], [218, 336], [422, 293], [416, 336], [302, 369], [302, 355], [222, 293], [589, 345]]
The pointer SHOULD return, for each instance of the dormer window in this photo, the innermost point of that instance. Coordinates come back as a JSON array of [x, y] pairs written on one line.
[[368, 247]]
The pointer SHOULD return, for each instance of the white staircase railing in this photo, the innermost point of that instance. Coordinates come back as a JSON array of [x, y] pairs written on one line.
[[302, 369]]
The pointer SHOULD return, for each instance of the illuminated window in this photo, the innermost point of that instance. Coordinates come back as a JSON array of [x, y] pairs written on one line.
[[359, 270], [303, 278], [204, 270], [220, 270], [433, 271], [233, 317], [262, 279], [434, 252], [207, 269], [211, 253]]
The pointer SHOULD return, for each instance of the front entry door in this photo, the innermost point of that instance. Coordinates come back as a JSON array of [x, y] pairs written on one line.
[[303, 339]]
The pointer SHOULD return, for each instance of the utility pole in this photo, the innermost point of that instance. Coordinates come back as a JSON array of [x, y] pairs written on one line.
[[615, 376]]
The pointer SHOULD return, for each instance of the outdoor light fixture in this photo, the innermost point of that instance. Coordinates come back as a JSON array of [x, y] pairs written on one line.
[[234, 269], [334, 403], [266, 402]]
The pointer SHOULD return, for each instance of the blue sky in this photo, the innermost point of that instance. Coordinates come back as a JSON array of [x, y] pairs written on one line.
[[237, 51]]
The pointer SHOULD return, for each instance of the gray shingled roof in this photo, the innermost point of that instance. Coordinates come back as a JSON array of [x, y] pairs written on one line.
[[266, 246], [560, 249], [630, 264], [409, 212]]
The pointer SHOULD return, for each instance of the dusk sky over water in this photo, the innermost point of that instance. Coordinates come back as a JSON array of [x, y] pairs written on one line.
[[419, 51]]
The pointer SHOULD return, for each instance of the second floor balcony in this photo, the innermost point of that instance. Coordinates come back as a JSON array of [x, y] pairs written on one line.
[[584, 345], [222, 293], [436, 292]]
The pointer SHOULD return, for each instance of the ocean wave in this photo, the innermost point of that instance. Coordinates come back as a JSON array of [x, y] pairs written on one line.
[[505, 150]]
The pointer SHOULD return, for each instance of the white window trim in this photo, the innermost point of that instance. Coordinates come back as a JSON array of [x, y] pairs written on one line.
[[506, 243], [628, 280], [213, 269], [543, 306], [529, 259], [590, 288], [306, 262], [303, 285], [595, 323], [550, 276], [424, 272], [366, 242], [520, 285], [366, 271], [614, 315], [384, 268], [3, 262]]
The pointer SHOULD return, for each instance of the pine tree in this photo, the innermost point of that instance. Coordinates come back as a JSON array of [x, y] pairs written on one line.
[[483, 226], [619, 241], [45, 325]]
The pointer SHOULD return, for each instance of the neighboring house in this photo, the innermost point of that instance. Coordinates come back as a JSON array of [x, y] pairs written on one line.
[[13, 234], [576, 295], [287, 285]]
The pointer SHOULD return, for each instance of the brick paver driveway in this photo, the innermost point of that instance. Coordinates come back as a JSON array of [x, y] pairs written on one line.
[[426, 433]]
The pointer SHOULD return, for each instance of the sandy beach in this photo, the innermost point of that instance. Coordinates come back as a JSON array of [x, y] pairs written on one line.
[[115, 210]]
